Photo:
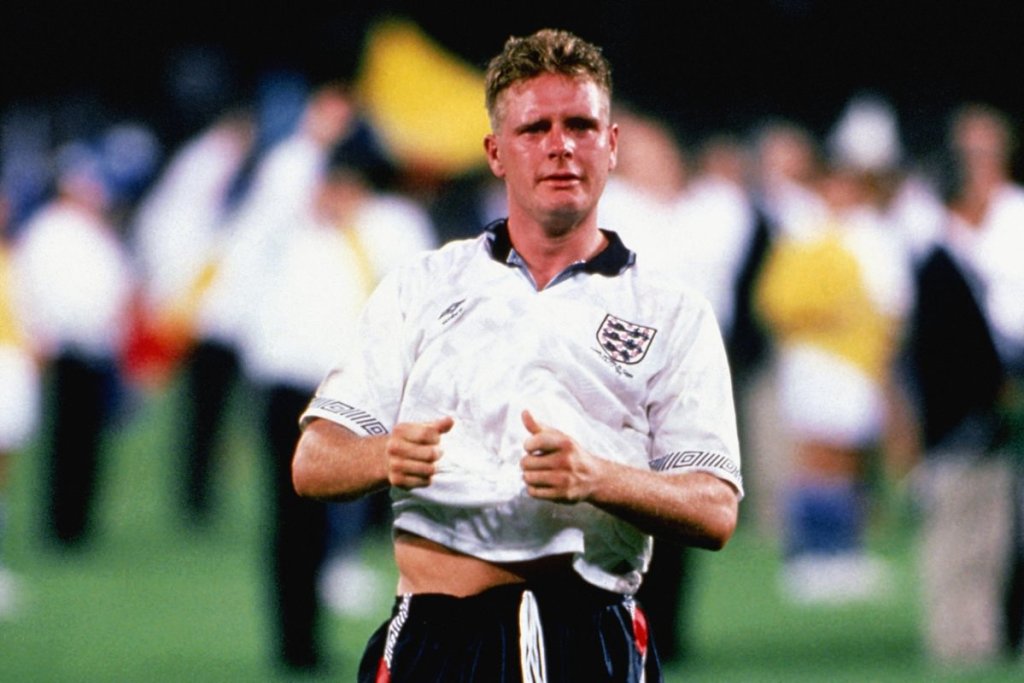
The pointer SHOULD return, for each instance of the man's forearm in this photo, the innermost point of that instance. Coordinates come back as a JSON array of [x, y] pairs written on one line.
[[332, 463], [696, 508]]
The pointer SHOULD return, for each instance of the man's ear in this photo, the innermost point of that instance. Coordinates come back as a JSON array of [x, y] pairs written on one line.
[[493, 156], [613, 146]]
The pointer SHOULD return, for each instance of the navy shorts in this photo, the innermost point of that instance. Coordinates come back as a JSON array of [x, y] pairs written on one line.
[[519, 633]]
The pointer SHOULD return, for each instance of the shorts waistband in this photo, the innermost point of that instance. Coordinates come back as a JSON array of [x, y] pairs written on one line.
[[571, 593]]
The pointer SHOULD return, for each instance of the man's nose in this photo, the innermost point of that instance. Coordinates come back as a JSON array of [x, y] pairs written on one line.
[[560, 143]]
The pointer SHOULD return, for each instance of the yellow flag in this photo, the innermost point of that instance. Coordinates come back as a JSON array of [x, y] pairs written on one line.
[[426, 103]]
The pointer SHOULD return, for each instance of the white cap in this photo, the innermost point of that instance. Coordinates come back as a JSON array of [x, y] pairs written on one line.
[[866, 136]]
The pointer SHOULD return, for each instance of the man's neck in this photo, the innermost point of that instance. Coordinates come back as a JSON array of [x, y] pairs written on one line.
[[549, 251], [976, 199]]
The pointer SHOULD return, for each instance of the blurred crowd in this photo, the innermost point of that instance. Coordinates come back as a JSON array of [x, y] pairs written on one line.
[[872, 300]]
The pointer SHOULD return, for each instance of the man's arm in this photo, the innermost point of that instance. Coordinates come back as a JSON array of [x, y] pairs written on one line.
[[695, 508], [333, 463]]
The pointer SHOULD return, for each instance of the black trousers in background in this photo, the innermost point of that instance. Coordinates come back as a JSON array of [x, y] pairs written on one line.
[[212, 371], [79, 403], [663, 595], [298, 538], [1013, 603]]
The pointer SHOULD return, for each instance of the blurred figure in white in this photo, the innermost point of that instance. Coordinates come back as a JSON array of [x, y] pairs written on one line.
[[908, 201], [787, 168], [329, 262], [19, 402], [786, 165], [174, 234], [231, 292], [282, 190], [834, 293], [695, 224], [719, 218], [967, 352], [73, 283], [232, 284], [645, 189], [867, 136]]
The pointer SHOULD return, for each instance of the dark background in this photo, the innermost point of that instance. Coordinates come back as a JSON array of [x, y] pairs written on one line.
[[706, 65]]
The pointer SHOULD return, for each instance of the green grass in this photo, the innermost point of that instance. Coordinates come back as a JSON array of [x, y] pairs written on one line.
[[152, 600]]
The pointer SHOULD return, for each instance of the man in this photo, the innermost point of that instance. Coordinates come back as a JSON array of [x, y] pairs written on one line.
[[76, 330], [538, 403], [966, 347]]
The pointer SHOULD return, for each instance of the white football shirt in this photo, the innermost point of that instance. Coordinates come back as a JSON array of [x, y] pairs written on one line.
[[627, 361]]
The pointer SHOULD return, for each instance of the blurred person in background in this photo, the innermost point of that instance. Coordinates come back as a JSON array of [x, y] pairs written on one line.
[[174, 235], [966, 350], [328, 264], [834, 294], [231, 284], [694, 223], [786, 165], [74, 280], [909, 202], [19, 401], [720, 218]]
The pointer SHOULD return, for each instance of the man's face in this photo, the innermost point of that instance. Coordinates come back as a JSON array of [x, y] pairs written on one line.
[[554, 147]]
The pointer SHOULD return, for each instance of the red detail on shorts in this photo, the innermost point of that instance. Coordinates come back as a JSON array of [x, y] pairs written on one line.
[[383, 674], [640, 633]]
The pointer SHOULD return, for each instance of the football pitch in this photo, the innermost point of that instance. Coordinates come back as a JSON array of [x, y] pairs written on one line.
[[152, 600]]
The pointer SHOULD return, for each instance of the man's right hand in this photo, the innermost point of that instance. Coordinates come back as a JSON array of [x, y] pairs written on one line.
[[412, 449]]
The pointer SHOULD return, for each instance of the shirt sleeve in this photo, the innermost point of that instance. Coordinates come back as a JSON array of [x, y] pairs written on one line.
[[692, 414], [363, 391]]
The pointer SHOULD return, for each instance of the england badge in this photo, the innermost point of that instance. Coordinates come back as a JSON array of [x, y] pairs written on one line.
[[623, 341]]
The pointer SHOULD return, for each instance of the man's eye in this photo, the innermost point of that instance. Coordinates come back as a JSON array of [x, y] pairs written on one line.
[[581, 124]]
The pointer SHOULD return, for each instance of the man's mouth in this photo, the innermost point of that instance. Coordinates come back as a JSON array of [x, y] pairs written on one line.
[[557, 178]]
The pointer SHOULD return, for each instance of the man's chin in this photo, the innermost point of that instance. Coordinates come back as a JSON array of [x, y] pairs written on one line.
[[562, 221]]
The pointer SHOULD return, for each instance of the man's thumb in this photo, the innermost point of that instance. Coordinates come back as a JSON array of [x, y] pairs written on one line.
[[530, 423]]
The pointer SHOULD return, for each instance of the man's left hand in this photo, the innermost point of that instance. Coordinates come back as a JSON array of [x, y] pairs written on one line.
[[555, 467]]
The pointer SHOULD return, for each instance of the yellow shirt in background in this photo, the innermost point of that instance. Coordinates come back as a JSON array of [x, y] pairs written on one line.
[[812, 292]]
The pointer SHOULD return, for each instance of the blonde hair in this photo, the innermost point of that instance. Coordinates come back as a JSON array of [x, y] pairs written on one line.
[[546, 51]]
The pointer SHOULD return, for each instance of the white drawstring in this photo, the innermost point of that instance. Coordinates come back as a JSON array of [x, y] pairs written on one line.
[[531, 641]]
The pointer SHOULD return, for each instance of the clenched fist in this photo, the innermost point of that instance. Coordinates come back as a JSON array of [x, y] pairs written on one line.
[[412, 449]]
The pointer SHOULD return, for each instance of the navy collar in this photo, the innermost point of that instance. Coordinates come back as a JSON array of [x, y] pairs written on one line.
[[610, 261]]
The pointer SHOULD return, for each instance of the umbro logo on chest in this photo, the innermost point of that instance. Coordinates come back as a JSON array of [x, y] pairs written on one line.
[[452, 312]]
